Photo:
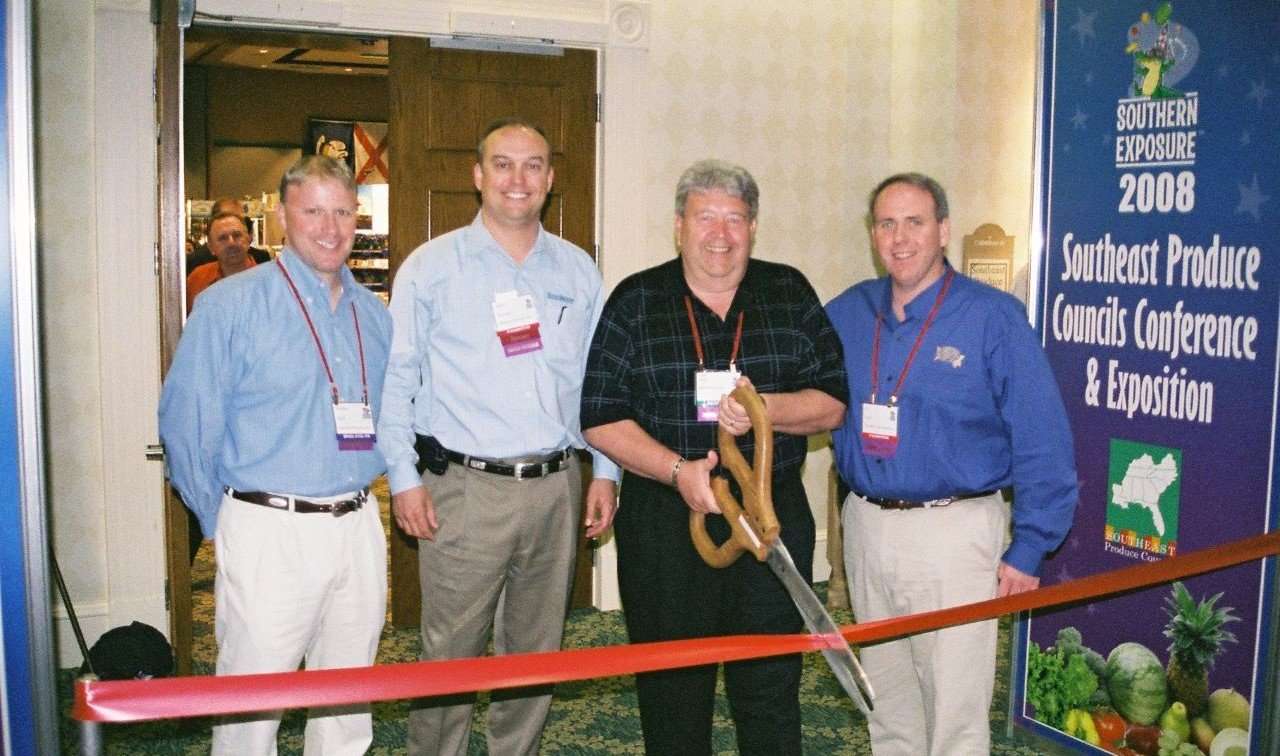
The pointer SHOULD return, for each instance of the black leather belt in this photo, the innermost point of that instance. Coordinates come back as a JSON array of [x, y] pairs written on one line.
[[300, 505], [518, 469], [884, 503]]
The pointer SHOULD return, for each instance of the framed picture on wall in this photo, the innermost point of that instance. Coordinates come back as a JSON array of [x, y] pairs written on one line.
[[362, 144]]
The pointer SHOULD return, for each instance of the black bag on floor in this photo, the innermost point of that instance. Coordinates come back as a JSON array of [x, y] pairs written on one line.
[[134, 651]]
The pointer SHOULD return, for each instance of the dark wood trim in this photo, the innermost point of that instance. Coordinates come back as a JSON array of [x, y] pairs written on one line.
[[170, 267]]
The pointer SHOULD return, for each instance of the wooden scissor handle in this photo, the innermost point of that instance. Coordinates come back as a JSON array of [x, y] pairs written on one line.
[[756, 483]]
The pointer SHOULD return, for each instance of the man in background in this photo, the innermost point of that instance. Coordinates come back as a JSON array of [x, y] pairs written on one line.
[[202, 254], [480, 430], [229, 245], [269, 437], [951, 401]]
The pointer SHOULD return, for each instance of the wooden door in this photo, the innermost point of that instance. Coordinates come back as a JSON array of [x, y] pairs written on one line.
[[441, 100]]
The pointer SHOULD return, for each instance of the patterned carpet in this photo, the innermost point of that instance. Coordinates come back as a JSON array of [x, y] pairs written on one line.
[[590, 718]]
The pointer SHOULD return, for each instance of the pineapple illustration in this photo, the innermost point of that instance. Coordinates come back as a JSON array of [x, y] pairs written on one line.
[[1196, 634]]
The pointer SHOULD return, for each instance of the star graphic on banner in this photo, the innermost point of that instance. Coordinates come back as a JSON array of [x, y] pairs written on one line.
[[1066, 147], [1258, 91], [1245, 139], [1064, 576], [1223, 71], [1106, 138], [1088, 78], [1251, 199], [1077, 120], [1084, 25]]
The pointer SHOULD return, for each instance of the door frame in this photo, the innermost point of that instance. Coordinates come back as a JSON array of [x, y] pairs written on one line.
[[621, 43]]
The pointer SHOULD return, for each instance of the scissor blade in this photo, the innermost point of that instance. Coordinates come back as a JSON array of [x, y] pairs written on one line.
[[839, 656]]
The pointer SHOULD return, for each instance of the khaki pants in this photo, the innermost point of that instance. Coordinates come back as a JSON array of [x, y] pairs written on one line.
[[292, 587], [502, 560], [933, 690]]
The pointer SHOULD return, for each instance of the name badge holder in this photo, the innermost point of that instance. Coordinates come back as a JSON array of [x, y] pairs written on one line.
[[880, 421], [516, 320], [711, 385], [352, 421]]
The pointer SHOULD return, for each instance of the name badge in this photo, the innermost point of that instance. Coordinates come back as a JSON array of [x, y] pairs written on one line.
[[516, 319], [709, 386], [879, 429], [354, 421]]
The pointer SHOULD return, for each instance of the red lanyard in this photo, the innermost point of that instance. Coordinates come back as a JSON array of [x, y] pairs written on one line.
[[333, 385], [697, 340], [875, 344]]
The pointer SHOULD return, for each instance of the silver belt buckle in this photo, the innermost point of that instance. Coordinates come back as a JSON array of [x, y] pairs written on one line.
[[931, 503], [521, 470]]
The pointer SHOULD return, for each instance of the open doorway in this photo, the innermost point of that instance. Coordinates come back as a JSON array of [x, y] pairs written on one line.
[[252, 100]]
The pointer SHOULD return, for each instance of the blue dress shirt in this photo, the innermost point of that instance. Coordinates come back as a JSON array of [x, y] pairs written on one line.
[[448, 375], [979, 410], [247, 402]]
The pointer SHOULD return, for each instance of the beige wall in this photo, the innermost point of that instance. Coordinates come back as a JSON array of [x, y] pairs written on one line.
[[96, 212], [819, 99]]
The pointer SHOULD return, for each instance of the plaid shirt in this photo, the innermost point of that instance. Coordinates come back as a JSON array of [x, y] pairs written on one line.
[[642, 361]]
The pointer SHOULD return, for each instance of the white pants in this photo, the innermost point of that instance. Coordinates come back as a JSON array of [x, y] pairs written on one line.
[[292, 587], [933, 690]]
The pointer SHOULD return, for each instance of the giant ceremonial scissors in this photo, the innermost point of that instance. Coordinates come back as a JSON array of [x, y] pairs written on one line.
[[755, 529]]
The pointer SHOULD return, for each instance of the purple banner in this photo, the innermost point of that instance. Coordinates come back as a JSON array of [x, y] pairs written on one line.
[[1159, 303]]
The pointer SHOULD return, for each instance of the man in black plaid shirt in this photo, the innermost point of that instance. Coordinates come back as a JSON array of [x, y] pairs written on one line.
[[672, 342]]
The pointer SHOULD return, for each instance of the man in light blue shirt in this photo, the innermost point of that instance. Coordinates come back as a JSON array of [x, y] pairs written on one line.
[[267, 418], [480, 426]]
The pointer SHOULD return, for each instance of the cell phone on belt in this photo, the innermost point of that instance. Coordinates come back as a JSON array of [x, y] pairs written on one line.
[[431, 455]]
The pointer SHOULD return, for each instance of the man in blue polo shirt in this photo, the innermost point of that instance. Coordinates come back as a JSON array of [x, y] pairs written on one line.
[[951, 400]]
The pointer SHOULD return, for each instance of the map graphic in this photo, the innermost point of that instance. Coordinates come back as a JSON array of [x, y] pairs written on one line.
[[1144, 485]]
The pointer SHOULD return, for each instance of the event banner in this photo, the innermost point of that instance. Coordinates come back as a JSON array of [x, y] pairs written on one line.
[[1160, 212]]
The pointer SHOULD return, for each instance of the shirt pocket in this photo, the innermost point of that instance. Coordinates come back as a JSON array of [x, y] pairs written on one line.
[[563, 327]]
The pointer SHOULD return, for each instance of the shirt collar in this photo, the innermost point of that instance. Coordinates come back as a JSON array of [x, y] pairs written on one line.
[[309, 282], [679, 287], [918, 307], [482, 241]]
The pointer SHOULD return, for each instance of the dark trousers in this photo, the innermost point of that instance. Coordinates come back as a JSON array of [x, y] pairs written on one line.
[[669, 593]]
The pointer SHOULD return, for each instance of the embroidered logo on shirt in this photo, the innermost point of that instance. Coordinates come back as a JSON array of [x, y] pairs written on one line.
[[949, 354]]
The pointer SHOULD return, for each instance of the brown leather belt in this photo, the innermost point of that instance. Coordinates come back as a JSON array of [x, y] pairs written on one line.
[[884, 503], [300, 505], [520, 470]]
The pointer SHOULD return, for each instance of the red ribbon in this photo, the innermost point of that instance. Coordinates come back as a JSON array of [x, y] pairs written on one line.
[[139, 700]]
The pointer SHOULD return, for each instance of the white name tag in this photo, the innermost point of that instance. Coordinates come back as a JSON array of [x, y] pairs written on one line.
[[516, 320], [879, 429], [709, 386], [354, 423]]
